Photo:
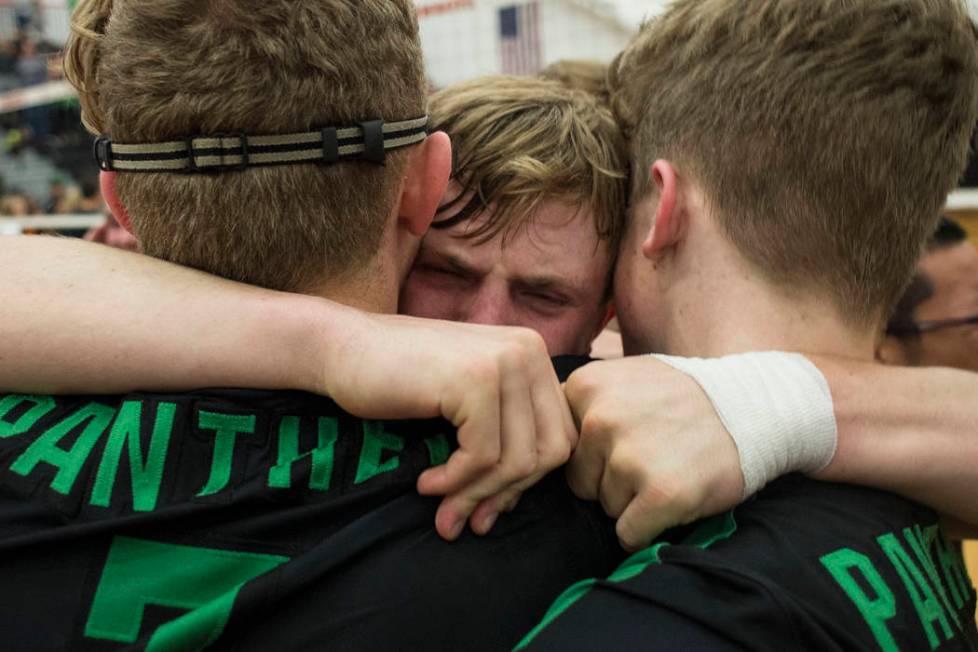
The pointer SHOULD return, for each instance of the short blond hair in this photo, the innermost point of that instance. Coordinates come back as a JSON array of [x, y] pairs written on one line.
[[588, 76], [826, 134], [521, 141], [158, 70]]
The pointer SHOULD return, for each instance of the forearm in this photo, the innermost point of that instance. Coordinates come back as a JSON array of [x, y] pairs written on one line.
[[84, 318], [911, 431]]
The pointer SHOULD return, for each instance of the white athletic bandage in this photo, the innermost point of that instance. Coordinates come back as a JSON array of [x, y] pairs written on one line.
[[776, 406]]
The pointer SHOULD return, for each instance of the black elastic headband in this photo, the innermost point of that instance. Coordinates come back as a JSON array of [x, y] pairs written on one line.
[[368, 141]]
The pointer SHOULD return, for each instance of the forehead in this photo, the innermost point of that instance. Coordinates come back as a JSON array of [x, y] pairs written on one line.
[[558, 239], [953, 273], [956, 265]]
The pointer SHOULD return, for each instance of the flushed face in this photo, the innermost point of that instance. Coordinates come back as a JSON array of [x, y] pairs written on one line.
[[550, 276]]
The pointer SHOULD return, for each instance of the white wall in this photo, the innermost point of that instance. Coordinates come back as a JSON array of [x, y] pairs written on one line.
[[464, 42], [572, 33]]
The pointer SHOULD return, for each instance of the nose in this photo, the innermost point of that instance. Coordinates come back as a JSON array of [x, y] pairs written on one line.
[[490, 305]]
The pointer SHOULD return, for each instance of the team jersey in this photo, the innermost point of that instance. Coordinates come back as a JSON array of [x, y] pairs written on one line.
[[260, 520], [804, 565]]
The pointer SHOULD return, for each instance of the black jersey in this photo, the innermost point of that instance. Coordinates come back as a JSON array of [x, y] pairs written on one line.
[[256, 521], [804, 565]]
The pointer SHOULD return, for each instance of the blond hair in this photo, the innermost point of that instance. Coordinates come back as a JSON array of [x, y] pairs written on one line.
[[588, 76], [826, 134], [521, 141], [158, 70]]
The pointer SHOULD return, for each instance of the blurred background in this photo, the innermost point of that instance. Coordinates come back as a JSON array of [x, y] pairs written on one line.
[[48, 180]]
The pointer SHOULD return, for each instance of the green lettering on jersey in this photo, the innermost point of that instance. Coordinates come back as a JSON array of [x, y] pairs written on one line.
[[42, 405], [204, 581], [921, 549], [145, 476], [375, 442], [841, 564], [438, 449], [280, 475], [226, 429], [96, 419], [949, 558], [928, 607]]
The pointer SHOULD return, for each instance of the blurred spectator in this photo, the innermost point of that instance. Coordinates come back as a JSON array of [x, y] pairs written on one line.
[[56, 197], [32, 69], [31, 66], [13, 141], [17, 204], [91, 198], [935, 323]]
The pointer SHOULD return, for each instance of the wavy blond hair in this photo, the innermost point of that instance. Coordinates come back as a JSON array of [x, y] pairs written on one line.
[[521, 141]]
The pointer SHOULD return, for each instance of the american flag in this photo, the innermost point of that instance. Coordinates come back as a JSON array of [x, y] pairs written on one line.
[[519, 38]]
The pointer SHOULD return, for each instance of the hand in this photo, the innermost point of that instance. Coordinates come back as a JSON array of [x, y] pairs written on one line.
[[496, 384], [652, 448]]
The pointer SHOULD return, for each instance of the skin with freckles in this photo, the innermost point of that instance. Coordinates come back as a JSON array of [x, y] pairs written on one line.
[[550, 276]]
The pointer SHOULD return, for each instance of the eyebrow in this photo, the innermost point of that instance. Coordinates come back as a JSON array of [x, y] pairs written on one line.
[[547, 284], [451, 260]]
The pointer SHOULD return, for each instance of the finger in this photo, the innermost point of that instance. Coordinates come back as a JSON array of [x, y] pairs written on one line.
[[555, 438], [586, 466], [517, 457], [556, 434], [580, 390], [644, 519], [478, 421], [487, 513], [616, 491], [518, 463]]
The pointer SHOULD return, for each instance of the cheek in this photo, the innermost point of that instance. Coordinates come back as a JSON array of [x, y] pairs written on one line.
[[422, 299], [569, 333]]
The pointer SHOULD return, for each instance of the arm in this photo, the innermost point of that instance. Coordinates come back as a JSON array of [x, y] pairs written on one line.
[[656, 455], [910, 431], [84, 318]]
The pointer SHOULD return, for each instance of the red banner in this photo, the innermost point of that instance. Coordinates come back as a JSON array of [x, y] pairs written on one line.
[[443, 7]]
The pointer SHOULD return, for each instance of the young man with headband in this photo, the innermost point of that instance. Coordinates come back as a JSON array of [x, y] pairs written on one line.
[[255, 519], [791, 158]]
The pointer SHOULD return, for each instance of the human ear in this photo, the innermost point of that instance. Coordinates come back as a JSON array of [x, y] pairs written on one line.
[[426, 179], [668, 226], [891, 351], [106, 182]]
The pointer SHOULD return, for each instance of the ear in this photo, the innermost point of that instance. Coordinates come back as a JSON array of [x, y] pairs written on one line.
[[891, 351], [106, 182], [668, 226], [426, 179]]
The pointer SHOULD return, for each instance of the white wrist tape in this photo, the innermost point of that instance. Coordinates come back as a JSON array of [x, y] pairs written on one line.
[[776, 406]]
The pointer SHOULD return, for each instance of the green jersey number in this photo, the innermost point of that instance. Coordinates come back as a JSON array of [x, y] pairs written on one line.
[[205, 581]]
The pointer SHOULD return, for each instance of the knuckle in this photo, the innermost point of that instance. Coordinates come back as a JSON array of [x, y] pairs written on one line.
[[531, 341], [484, 459], [558, 455], [579, 385], [524, 466], [598, 424], [670, 495], [483, 370], [622, 465]]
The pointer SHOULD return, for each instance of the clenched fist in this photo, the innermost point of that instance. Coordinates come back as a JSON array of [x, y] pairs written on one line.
[[652, 448]]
